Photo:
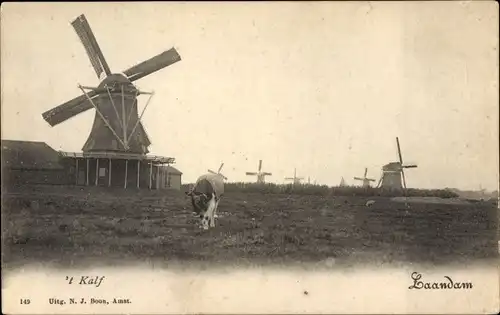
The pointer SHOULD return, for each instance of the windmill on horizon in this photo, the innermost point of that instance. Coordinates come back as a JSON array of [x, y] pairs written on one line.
[[261, 176], [342, 182], [295, 180], [366, 181], [218, 172], [393, 173]]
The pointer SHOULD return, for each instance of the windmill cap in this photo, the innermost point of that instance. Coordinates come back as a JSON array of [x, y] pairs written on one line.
[[115, 78], [393, 166]]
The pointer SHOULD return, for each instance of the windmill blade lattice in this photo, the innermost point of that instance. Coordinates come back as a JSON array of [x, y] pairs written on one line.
[[82, 29], [69, 109], [218, 172], [153, 64]]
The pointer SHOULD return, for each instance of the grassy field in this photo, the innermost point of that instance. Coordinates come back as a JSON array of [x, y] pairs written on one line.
[[74, 226]]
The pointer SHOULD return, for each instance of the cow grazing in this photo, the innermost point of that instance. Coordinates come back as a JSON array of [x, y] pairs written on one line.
[[205, 197]]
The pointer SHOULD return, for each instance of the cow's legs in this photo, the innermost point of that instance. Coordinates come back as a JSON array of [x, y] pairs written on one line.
[[214, 213], [204, 220], [202, 217], [208, 217], [216, 208]]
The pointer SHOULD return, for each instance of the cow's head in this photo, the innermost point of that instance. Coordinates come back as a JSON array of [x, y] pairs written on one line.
[[199, 201]]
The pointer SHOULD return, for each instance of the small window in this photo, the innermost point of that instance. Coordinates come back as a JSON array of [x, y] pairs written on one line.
[[102, 172]]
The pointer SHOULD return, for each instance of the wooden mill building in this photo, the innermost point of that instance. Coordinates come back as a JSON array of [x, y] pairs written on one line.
[[122, 170]]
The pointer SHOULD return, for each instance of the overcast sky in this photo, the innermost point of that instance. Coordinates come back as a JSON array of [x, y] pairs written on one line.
[[322, 87]]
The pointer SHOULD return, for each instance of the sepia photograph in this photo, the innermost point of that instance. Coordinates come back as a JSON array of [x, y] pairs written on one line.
[[250, 157]]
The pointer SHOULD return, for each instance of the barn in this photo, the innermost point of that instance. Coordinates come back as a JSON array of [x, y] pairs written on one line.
[[27, 162], [31, 162]]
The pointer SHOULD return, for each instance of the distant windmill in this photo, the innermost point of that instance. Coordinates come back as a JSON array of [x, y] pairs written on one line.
[[261, 176], [218, 172], [295, 179], [366, 181], [393, 172], [342, 182], [314, 182]]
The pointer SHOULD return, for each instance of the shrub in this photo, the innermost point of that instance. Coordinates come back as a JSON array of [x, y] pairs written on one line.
[[324, 190]]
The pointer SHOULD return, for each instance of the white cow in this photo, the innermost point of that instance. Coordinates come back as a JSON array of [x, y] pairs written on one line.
[[205, 197]]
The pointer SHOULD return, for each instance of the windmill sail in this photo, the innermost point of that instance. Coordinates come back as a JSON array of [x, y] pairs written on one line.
[[69, 109], [218, 172], [82, 29], [401, 163], [154, 64]]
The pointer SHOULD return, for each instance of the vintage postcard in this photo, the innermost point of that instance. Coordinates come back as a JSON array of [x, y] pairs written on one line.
[[250, 157]]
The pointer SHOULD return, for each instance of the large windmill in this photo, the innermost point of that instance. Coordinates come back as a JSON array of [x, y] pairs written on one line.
[[366, 181], [261, 176], [393, 172], [117, 134], [117, 124], [218, 172], [295, 180]]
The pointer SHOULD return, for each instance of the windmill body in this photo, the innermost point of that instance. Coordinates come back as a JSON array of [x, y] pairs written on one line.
[[391, 178], [261, 176], [118, 106], [342, 182]]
